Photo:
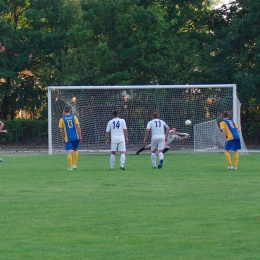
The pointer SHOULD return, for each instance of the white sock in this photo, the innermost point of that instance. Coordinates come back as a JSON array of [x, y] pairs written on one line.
[[122, 160], [112, 161], [160, 156], [153, 158]]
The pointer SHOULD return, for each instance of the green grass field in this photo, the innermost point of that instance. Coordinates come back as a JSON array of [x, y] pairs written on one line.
[[191, 209]]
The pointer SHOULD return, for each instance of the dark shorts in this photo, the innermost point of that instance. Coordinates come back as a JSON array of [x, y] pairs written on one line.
[[233, 145], [73, 145]]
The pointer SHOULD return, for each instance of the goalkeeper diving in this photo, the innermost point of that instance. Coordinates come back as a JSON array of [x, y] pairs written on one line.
[[173, 136]]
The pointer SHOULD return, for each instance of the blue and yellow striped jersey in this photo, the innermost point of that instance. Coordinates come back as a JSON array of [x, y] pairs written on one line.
[[68, 123], [230, 129]]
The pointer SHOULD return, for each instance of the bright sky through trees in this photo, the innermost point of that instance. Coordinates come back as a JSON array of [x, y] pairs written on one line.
[[222, 2]]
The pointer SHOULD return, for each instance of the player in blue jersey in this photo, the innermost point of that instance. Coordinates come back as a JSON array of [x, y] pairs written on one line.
[[71, 136], [231, 138]]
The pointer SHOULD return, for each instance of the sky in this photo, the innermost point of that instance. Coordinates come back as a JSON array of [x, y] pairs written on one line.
[[222, 2]]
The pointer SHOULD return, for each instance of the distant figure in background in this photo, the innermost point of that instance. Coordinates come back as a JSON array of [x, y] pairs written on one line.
[[70, 132], [230, 133], [173, 136], [119, 137], [2, 131], [158, 139]]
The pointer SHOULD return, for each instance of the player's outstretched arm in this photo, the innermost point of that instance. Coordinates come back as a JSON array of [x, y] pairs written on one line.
[[146, 135], [79, 132], [62, 135], [167, 133], [107, 135], [126, 135], [186, 136]]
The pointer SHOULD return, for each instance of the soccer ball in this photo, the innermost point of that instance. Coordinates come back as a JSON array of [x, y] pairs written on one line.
[[187, 122]]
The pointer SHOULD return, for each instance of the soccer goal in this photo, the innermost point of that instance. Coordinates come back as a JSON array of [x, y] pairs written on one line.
[[208, 137], [93, 105]]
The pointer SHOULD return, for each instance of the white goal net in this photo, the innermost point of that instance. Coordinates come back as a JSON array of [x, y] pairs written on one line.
[[93, 105], [208, 137]]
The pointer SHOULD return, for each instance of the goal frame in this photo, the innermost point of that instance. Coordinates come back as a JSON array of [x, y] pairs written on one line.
[[50, 88]]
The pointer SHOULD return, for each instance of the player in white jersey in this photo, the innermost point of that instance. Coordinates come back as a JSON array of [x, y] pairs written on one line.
[[158, 139], [173, 136], [119, 137]]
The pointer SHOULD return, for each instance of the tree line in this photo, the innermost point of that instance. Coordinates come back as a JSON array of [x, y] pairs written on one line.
[[127, 42]]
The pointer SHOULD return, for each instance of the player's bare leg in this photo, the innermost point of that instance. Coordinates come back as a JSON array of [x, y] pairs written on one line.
[[75, 159], [69, 159], [228, 159], [236, 158]]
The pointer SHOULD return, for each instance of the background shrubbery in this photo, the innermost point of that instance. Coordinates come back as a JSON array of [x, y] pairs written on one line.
[[25, 131], [35, 132], [96, 43]]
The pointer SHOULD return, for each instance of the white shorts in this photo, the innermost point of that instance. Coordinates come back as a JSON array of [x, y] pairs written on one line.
[[157, 144], [118, 147]]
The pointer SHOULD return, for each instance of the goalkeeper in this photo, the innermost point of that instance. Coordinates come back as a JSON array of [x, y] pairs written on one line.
[[173, 136]]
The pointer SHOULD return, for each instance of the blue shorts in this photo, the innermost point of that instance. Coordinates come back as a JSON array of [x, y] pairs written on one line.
[[73, 145], [233, 145]]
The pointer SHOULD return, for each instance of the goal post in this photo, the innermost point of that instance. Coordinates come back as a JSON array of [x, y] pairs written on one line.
[[93, 105]]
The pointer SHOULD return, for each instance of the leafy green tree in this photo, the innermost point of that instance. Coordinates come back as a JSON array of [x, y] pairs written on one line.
[[113, 44], [236, 47], [33, 40], [50, 22], [135, 42], [18, 84], [235, 51]]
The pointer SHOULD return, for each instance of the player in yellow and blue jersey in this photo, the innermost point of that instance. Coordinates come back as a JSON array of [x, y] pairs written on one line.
[[71, 136], [231, 137]]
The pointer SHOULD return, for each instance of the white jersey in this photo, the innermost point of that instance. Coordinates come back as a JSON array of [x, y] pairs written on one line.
[[116, 127], [157, 127]]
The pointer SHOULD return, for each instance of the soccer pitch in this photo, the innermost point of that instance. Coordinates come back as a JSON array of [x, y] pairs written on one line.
[[191, 209]]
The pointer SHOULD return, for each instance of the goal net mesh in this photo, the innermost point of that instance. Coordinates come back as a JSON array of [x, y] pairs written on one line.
[[208, 137], [94, 107]]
